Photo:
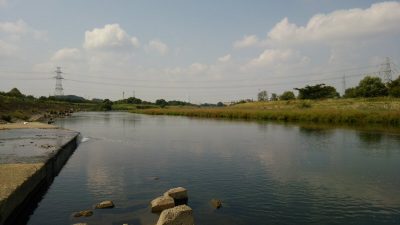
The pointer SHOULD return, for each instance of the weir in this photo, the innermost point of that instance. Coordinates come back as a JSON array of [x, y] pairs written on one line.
[[31, 155]]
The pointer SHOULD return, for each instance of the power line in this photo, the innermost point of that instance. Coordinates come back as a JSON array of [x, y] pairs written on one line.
[[209, 87]]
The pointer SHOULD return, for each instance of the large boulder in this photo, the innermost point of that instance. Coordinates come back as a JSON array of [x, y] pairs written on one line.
[[179, 215], [105, 205], [161, 203], [179, 194]]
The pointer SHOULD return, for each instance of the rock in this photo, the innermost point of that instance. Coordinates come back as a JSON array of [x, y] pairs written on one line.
[[80, 224], [85, 213], [179, 215], [105, 205], [216, 203], [161, 203], [178, 194]]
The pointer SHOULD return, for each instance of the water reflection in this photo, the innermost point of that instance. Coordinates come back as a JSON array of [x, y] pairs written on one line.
[[279, 173]]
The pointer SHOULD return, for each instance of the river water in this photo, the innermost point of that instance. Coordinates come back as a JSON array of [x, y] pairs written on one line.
[[264, 173]]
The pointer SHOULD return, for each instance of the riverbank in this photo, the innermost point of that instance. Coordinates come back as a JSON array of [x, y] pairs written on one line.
[[382, 111], [17, 109], [31, 155]]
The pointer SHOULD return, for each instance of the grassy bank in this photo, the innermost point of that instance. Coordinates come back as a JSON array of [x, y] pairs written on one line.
[[385, 111], [14, 109]]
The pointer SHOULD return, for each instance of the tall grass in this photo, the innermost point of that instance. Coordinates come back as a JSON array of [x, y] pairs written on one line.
[[382, 111]]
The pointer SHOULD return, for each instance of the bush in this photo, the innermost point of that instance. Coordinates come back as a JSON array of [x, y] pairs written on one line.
[[6, 118], [287, 95], [319, 91]]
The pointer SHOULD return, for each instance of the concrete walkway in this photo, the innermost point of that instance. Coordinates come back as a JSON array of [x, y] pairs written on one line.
[[31, 155]]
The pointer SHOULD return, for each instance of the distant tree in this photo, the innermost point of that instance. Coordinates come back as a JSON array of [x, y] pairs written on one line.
[[133, 100], [394, 88], [262, 96], [350, 93], [161, 102], [287, 95], [106, 105], [220, 104], [319, 91], [371, 87], [15, 93], [274, 97]]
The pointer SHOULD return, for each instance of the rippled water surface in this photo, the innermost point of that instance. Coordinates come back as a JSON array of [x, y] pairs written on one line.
[[264, 173]]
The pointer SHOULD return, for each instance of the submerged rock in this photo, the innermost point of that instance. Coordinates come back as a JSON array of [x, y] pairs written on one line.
[[161, 203], [216, 203], [105, 205], [179, 215], [179, 194], [85, 213], [80, 224]]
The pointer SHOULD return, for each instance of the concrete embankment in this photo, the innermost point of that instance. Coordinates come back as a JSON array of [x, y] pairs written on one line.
[[31, 155]]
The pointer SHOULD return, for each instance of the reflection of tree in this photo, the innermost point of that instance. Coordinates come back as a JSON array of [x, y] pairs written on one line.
[[315, 130], [369, 137]]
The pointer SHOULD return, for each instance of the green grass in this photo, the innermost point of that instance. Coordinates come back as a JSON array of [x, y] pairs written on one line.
[[385, 111]]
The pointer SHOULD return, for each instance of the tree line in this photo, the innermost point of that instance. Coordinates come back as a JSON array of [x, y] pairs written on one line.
[[368, 87]]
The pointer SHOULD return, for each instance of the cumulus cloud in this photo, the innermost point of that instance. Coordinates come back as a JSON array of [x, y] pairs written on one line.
[[225, 58], [247, 41], [274, 57], [67, 54], [19, 29], [110, 37], [157, 46], [341, 25]]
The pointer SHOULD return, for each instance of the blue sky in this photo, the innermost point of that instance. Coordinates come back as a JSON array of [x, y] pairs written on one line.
[[198, 50]]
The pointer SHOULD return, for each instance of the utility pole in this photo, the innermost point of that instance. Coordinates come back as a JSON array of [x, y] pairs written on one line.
[[344, 83], [133, 93], [387, 71], [59, 91], [123, 95]]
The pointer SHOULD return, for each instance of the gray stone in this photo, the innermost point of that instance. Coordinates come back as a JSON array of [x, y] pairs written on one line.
[[179, 215], [105, 205], [216, 203], [161, 203], [85, 213], [178, 193]]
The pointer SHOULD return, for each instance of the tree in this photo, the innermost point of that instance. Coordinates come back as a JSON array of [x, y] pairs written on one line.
[[274, 97], [161, 102], [106, 105], [394, 88], [262, 96], [350, 93], [220, 104], [287, 95], [319, 91], [371, 87], [15, 93]]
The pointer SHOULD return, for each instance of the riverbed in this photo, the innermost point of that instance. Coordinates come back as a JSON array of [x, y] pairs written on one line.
[[264, 173]]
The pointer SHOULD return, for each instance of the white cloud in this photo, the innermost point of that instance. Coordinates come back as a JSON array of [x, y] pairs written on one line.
[[157, 46], [110, 37], [341, 25], [18, 27], [135, 42], [274, 57], [67, 54], [247, 41], [225, 58], [7, 49]]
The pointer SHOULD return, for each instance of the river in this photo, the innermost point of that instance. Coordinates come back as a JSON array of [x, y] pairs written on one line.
[[264, 173]]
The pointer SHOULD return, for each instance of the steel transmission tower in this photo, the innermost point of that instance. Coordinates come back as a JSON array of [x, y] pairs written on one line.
[[59, 91], [387, 70]]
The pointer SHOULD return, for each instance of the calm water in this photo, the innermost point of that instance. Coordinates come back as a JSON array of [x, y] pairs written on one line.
[[264, 173]]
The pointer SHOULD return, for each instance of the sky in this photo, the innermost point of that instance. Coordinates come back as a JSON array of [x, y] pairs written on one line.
[[197, 51]]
